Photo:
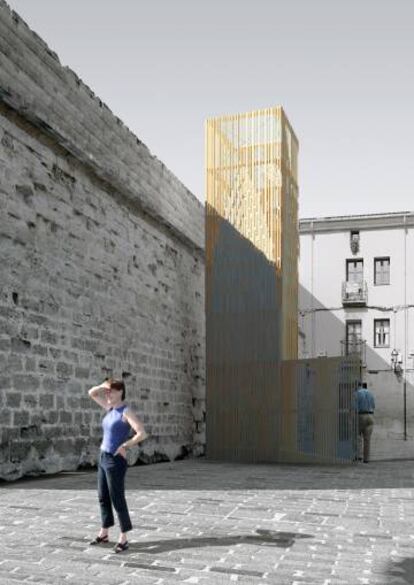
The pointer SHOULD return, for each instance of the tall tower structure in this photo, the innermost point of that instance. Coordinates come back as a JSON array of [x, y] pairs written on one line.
[[252, 248], [252, 183]]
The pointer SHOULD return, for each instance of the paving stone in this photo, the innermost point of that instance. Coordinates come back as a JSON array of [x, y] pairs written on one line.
[[46, 524]]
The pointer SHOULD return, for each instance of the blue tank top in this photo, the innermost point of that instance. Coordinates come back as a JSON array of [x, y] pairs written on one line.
[[115, 429]]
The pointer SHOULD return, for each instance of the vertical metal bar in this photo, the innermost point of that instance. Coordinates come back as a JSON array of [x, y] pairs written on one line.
[[405, 328]]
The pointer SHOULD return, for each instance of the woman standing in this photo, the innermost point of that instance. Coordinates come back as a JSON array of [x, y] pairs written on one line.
[[113, 465]]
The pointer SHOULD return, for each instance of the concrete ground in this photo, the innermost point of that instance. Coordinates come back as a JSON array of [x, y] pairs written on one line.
[[209, 523]]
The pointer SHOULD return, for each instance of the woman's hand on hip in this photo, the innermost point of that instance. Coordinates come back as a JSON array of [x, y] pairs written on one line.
[[121, 451]]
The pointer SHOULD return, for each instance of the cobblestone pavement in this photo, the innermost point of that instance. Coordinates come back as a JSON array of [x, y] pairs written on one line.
[[210, 523]]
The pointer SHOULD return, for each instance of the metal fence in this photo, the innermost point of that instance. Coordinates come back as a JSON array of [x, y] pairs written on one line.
[[355, 347], [298, 411], [317, 419]]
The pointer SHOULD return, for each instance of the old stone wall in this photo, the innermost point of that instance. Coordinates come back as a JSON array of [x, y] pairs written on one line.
[[102, 272]]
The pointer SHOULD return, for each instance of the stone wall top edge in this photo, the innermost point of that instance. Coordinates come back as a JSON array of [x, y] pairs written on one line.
[[49, 54], [6, 9], [190, 218]]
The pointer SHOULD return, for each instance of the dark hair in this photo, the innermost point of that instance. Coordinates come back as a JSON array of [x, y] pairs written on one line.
[[364, 385], [118, 385]]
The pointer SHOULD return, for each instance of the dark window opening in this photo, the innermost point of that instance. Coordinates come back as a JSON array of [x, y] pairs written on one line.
[[381, 271]]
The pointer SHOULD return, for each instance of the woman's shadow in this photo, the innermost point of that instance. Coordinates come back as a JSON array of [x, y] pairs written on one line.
[[401, 571], [262, 537]]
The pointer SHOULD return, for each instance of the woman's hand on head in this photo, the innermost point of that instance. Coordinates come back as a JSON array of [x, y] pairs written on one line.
[[99, 394]]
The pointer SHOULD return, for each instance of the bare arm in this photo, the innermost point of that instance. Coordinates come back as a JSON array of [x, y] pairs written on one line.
[[97, 394], [139, 436]]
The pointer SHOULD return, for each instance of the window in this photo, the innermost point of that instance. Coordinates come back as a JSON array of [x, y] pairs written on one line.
[[353, 337], [354, 242], [381, 332], [381, 271], [355, 270]]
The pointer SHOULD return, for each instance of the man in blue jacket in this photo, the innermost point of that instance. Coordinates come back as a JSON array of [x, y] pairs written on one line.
[[366, 407]]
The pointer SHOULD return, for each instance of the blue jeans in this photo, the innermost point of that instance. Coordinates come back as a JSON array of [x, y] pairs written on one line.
[[111, 490]]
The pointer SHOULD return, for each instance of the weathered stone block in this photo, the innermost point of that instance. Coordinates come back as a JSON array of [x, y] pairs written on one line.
[[5, 344], [14, 363], [51, 432], [74, 387], [9, 434], [82, 373], [5, 417], [30, 364], [46, 366], [46, 401], [39, 350], [65, 417], [21, 418], [26, 382], [64, 370], [19, 451], [78, 418], [51, 417], [5, 382], [53, 385], [48, 337], [30, 432], [13, 399], [30, 401], [20, 345]]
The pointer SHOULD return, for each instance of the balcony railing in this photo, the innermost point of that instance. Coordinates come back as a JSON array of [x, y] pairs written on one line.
[[353, 346], [354, 294]]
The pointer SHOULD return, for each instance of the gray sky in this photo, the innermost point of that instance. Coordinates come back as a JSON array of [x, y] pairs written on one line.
[[342, 69]]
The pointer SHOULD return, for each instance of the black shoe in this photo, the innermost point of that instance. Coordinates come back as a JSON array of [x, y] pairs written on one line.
[[121, 547], [100, 540], [366, 461]]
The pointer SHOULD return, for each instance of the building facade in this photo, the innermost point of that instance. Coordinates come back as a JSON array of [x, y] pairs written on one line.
[[356, 296]]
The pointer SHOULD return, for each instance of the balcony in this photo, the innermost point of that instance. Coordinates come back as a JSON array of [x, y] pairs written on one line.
[[354, 294]]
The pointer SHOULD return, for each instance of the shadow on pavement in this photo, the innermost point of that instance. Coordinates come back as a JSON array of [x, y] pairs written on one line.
[[401, 571], [205, 475], [262, 537]]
